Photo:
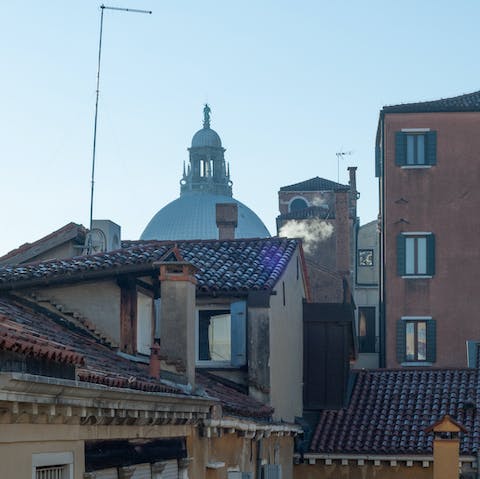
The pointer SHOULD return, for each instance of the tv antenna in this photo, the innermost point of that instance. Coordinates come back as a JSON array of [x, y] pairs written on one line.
[[341, 154], [102, 9]]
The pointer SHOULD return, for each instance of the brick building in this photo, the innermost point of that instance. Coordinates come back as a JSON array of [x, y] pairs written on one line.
[[428, 168]]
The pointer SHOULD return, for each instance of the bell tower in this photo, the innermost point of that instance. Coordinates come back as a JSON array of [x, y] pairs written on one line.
[[207, 170]]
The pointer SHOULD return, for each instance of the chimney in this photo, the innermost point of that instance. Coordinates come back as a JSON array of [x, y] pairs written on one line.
[[226, 215], [446, 446], [154, 369], [177, 312], [342, 233]]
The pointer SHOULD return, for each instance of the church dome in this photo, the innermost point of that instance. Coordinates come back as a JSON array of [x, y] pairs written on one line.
[[205, 183], [192, 216], [206, 137]]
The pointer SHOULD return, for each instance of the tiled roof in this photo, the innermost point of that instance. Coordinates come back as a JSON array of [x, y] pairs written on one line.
[[28, 342], [53, 337], [228, 266], [468, 102], [315, 184], [30, 250], [233, 401], [390, 410]]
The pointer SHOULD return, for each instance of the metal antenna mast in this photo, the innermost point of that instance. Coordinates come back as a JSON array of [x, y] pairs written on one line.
[[339, 155], [102, 8]]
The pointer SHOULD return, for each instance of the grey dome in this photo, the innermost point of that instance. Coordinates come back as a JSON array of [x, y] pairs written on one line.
[[206, 137], [192, 216]]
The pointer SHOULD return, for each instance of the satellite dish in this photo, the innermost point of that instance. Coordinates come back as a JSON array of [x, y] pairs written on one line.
[[96, 241]]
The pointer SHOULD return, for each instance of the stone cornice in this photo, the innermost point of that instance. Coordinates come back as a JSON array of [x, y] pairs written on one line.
[[25, 398]]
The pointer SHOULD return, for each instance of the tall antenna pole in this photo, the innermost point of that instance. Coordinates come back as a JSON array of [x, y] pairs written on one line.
[[102, 8]]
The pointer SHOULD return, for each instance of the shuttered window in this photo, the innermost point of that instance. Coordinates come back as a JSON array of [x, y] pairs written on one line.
[[222, 336], [416, 340], [415, 149], [170, 471], [416, 254]]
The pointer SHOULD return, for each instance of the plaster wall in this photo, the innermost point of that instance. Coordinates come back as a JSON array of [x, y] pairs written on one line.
[[19, 441], [444, 200], [64, 250], [368, 239], [237, 453], [286, 343], [98, 302], [16, 457]]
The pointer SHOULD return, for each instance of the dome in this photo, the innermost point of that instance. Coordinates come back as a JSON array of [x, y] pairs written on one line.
[[206, 137], [192, 216]]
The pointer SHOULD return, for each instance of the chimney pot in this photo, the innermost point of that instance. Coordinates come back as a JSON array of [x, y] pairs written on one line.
[[154, 369]]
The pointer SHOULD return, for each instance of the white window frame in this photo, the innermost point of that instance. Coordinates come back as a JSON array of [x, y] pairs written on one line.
[[53, 459], [298, 197], [210, 363], [417, 234], [411, 319], [415, 131]]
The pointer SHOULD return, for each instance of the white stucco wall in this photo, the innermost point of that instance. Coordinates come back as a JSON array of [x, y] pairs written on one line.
[[286, 343], [98, 302]]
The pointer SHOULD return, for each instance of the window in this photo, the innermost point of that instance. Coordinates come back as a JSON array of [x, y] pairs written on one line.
[[221, 335], [298, 204], [144, 323], [55, 465], [365, 257], [366, 329], [51, 472], [415, 148], [416, 340], [416, 254]]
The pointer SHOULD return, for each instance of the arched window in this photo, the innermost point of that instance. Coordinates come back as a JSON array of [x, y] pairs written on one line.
[[298, 204]]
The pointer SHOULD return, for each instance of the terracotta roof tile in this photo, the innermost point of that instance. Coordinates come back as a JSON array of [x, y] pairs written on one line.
[[40, 335], [229, 266], [390, 410], [30, 332], [233, 401]]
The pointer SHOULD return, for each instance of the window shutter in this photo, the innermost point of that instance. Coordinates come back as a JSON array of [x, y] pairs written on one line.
[[378, 161], [400, 149], [431, 341], [431, 254], [431, 148], [401, 346], [401, 255], [238, 331]]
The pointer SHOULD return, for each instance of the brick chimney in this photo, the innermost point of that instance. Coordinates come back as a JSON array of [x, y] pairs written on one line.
[[226, 215], [353, 187], [177, 312], [342, 232], [154, 367]]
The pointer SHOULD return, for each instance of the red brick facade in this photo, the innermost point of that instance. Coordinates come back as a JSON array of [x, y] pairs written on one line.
[[443, 199]]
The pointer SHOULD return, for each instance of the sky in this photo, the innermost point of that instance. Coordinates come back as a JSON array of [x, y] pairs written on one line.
[[290, 84]]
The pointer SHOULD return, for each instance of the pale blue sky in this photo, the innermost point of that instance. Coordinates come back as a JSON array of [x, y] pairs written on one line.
[[289, 84]]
